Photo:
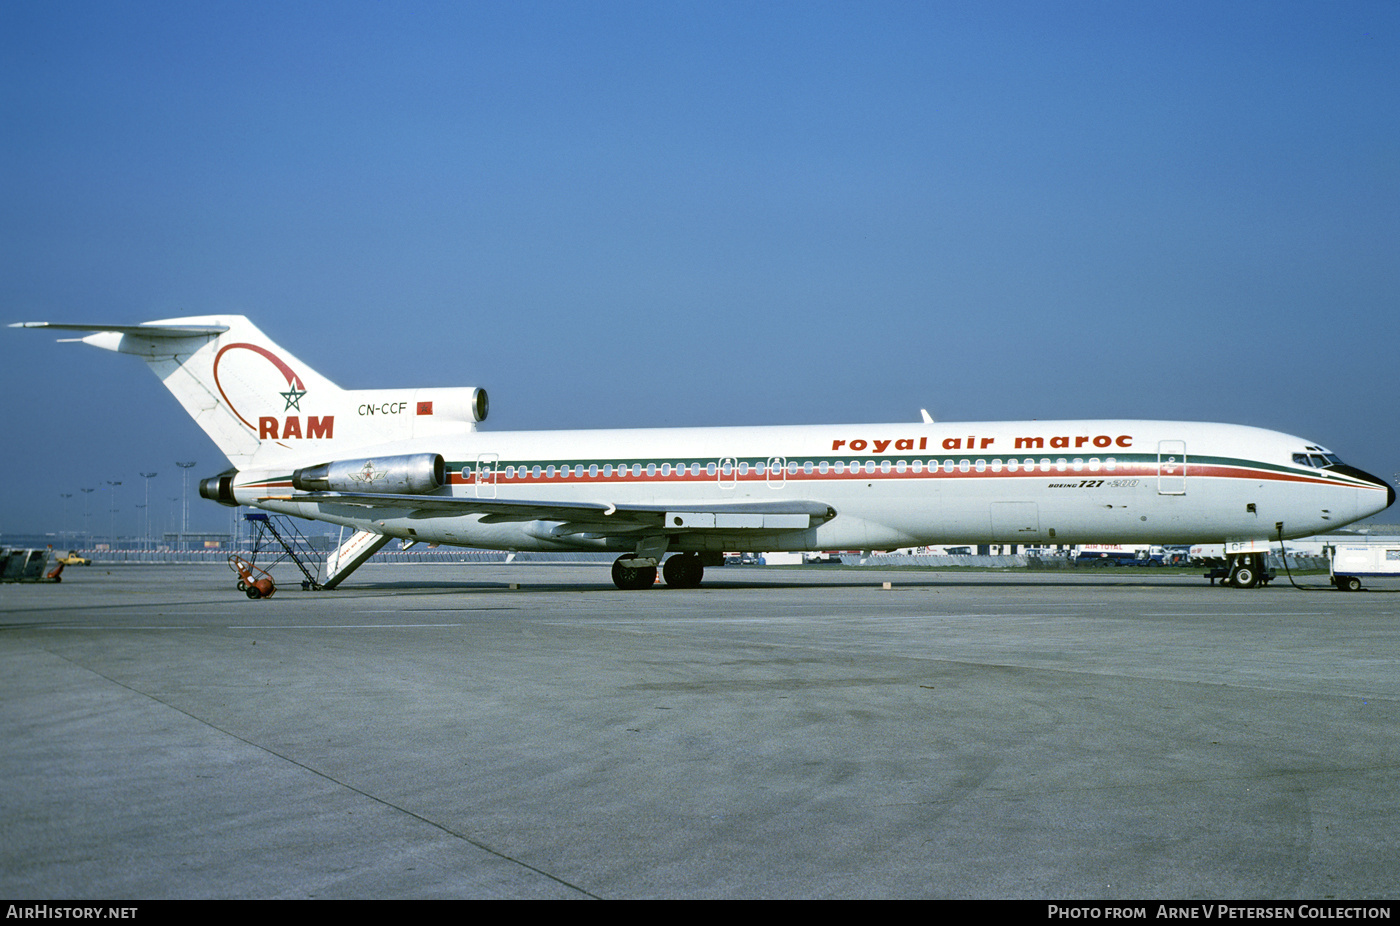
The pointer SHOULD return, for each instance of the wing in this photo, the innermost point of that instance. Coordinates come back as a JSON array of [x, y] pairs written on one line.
[[594, 517]]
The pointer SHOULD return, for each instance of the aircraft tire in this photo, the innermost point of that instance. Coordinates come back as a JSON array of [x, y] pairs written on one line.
[[631, 578], [683, 571], [1247, 572], [1245, 575]]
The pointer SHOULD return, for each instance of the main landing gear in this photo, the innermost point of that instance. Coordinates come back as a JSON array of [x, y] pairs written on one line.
[[628, 577], [683, 570]]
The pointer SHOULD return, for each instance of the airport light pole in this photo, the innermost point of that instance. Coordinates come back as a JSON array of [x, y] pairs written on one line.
[[67, 514], [185, 506], [146, 537], [112, 525], [87, 514]]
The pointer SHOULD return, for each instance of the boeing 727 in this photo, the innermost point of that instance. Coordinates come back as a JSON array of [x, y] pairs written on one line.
[[412, 464]]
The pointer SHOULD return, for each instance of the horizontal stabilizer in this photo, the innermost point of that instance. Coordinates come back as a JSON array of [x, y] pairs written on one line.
[[146, 331]]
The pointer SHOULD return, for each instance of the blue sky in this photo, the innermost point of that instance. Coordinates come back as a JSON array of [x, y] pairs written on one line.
[[667, 213]]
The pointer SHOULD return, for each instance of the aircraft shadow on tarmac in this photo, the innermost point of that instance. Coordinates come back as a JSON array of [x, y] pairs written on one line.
[[897, 581]]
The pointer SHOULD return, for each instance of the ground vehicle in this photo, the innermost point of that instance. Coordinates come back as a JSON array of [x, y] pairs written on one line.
[[74, 558], [1352, 562], [26, 566], [1119, 555]]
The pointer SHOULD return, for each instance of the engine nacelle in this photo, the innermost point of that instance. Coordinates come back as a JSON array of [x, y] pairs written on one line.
[[219, 488], [409, 474], [455, 403], [428, 405]]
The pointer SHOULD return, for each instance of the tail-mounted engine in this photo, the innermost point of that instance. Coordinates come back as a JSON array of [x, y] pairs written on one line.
[[219, 488], [410, 474]]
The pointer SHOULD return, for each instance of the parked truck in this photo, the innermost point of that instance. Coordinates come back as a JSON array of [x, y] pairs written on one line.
[[1117, 554], [1353, 562]]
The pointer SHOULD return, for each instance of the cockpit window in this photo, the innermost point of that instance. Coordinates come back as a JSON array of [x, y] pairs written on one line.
[[1316, 460]]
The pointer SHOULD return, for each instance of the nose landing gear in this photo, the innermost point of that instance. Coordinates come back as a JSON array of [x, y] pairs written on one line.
[[1247, 570]]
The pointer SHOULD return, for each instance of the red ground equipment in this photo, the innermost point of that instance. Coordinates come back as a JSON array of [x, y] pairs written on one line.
[[257, 583], [273, 531]]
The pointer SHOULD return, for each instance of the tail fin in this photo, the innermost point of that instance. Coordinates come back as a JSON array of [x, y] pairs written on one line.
[[248, 394], [262, 406]]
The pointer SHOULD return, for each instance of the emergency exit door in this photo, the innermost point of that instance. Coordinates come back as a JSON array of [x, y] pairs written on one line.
[[1171, 467]]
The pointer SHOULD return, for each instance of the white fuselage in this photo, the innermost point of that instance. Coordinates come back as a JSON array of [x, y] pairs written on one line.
[[891, 485]]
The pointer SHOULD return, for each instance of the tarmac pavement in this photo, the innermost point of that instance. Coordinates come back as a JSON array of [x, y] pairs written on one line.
[[430, 731]]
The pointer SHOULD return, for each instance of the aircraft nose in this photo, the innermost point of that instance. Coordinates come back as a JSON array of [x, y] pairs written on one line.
[[1376, 481]]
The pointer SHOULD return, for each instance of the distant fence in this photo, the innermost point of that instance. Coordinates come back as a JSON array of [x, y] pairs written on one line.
[[1024, 561], [463, 555], [938, 560], [448, 555]]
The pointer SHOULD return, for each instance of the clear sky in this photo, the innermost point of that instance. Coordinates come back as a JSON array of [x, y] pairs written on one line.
[[616, 214]]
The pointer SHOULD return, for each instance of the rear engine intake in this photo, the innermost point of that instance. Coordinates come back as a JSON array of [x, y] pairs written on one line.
[[409, 474]]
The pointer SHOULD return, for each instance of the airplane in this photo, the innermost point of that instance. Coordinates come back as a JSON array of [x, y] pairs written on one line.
[[411, 464]]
